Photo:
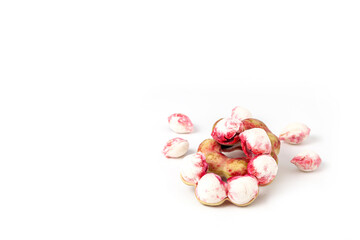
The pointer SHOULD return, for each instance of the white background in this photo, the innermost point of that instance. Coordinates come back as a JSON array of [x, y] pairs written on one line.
[[86, 88]]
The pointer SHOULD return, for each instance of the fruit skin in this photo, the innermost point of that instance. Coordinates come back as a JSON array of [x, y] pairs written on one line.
[[250, 123], [219, 163]]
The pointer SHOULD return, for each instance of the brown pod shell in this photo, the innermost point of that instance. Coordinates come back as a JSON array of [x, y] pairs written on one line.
[[219, 163]]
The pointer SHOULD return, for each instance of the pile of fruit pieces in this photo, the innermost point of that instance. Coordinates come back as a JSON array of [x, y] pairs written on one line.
[[218, 178]]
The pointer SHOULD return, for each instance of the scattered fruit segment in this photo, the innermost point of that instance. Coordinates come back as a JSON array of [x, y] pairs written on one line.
[[176, 147], [180, 123], [294, 133], [307, 161]]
